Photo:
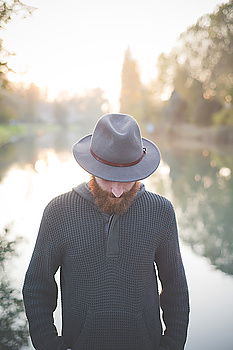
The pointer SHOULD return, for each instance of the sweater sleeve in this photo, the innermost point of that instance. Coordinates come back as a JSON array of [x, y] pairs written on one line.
[[40, 288], [174, 298]]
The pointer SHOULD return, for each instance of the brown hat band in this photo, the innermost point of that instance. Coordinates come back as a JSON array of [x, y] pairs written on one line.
[[118, 164]]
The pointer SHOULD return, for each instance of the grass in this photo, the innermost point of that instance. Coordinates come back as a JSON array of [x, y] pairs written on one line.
[[9, 133]]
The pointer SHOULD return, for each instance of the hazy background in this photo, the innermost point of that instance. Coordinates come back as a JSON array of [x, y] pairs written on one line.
[[76, 45]]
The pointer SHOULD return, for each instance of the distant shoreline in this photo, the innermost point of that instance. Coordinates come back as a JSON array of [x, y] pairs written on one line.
[[216, 135], [12, 133], [188, 133]]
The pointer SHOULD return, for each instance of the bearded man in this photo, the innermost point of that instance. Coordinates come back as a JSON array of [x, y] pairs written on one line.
[[108, 236]]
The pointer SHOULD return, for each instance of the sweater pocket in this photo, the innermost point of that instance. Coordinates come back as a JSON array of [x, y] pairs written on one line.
[[115, 330]]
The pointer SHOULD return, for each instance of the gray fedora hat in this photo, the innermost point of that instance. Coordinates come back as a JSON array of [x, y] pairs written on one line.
[[116, 151]]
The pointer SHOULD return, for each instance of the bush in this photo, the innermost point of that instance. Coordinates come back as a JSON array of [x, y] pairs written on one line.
[[13, 324]]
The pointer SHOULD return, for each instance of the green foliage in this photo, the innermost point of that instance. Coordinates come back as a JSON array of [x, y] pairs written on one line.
[[13, 331], [200, 68], [13, 328], [207, 51], [7, 248], [223, 117], [7, 132]]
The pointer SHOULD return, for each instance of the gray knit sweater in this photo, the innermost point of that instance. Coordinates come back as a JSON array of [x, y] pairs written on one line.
[[109, 290]]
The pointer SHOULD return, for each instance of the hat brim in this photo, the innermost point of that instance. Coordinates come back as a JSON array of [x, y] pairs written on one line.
[[147, 165]]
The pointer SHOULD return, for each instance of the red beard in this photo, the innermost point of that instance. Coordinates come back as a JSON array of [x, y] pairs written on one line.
[[110, 204]]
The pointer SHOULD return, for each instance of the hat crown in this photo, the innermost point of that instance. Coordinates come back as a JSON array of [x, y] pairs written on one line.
[[117, 138]]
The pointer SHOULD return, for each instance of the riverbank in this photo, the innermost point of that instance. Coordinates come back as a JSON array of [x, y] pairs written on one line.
[[10, 133], [221, 134], [186, 132], [14, 132]]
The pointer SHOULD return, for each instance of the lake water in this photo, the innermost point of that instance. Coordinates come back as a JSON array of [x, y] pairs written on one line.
[[199, 182]]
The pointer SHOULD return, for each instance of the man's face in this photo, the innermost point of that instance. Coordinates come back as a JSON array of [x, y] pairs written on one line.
[[111, 196]]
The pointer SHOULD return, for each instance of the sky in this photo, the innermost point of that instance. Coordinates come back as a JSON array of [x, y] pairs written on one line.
[[76, 45]]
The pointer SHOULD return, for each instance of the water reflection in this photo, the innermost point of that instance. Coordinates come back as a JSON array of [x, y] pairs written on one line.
[[13, 330], [201, 185], [199, 182], [27, 151]]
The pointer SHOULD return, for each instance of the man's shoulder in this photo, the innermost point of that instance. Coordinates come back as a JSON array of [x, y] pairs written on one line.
[[158, 198], [159, 201], [60, 203]]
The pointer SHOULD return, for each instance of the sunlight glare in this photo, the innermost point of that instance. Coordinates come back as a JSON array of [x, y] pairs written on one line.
[[77, 45], [225, 172]]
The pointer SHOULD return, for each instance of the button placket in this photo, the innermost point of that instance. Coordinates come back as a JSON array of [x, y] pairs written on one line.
[[112, 246]]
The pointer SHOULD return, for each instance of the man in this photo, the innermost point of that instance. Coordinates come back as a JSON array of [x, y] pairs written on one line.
[[106, 236]]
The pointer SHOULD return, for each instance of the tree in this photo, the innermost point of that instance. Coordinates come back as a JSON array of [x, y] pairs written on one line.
[[131, 87], [207, 50], [200, 67], [7, 10]]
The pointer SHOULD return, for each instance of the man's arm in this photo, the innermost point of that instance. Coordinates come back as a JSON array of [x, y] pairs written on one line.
[[174, 298], [40, 289]]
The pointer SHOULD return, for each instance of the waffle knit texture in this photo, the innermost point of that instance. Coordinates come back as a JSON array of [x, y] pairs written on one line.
[[109, 287]]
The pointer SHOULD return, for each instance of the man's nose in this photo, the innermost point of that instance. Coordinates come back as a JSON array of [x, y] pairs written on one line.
[[117, 189]]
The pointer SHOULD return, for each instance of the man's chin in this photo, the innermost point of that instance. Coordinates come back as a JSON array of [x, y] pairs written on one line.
[[110, 204]]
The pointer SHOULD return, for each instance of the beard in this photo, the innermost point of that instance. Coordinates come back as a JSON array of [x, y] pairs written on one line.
[[110, 204]]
